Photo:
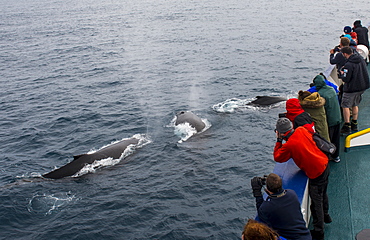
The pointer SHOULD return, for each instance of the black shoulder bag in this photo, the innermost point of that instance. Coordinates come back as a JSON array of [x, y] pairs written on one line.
[[323, 144]]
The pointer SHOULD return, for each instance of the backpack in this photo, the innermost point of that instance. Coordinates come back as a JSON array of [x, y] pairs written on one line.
[[324, 145]]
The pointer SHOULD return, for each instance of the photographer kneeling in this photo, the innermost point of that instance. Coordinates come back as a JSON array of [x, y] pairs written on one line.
[[281, 210]]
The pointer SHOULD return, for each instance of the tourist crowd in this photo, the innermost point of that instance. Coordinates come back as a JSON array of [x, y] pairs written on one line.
[[322, 109]]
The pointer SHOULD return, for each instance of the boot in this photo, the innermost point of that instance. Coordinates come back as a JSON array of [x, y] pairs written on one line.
[[327, 218], [317, 235], [354, 124], [346, 129]]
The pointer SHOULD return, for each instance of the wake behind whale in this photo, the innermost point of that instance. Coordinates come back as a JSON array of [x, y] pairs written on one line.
[[233, 104]]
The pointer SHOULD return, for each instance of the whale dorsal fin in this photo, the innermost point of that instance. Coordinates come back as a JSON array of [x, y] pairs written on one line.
[[78, 156]]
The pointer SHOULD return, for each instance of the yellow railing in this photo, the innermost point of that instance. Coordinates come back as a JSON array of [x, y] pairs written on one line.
[[352, 136]]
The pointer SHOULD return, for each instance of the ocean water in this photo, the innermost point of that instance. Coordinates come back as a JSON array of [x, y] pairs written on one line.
[[78, 75]]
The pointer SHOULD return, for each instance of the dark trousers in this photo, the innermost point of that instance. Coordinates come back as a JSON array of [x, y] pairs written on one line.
[[334, 134], [319, 200]]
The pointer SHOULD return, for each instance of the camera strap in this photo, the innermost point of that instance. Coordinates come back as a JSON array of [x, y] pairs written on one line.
[[288, 135]]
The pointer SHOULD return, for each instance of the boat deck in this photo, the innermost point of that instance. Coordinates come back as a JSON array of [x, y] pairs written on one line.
[[349, 186]]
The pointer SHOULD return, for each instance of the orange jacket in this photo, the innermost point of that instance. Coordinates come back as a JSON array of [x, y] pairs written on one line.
[[302, 148]]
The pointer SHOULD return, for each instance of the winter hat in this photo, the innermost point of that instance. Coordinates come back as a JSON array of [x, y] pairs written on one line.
[[347, 29], [283, 125]]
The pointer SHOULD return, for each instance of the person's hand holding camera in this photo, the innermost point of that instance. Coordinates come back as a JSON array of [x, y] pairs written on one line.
[[256, 184], [279, 137]]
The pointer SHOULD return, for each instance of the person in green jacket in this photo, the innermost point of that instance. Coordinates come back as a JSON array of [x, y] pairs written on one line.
[[313, 103], [333, 114]]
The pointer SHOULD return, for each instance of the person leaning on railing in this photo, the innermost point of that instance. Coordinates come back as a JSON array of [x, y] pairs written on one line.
[[332, 111], [301, 147], [362, 33]]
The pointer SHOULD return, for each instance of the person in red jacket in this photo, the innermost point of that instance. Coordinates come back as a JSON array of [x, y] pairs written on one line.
[[296, 114], [301, 147]]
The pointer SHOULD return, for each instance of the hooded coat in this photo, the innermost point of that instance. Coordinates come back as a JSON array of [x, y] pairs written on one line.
[[362, 34], [314, 105], [356, 76], [332, 108], [335, 87], [302, 148], [298, 116]]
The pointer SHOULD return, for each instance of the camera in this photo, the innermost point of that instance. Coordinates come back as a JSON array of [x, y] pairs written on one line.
[[337, 48], [281, 115], [263, 179]]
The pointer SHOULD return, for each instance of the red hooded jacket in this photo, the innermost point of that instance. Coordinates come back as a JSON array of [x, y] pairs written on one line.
[[294, 109], [302, 148]]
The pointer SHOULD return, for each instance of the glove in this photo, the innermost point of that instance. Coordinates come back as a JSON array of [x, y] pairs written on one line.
[[256, 186]]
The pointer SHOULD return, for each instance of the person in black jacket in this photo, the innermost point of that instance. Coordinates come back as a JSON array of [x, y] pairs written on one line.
[[356, 80], [362, 33], [336, 57], [281, 211]]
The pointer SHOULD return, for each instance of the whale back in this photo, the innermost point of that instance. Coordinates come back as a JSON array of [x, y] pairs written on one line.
[[189, 117], [112, 151], [267, 100]]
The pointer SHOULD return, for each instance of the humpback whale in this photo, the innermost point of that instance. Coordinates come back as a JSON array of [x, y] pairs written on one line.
[[112, 151], [191, 118], [266, 100]]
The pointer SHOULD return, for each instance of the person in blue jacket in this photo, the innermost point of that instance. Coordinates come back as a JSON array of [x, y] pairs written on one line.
[[347, 33], [313, 88], [281, 210]]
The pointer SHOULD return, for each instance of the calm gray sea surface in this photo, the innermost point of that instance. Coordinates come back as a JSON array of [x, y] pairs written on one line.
[[78, 75]]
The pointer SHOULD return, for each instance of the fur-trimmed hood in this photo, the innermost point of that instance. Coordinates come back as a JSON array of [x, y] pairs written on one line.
[[310, 100]]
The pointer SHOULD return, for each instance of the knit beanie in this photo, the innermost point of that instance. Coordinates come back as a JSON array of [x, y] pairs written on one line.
[[283, 125]]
